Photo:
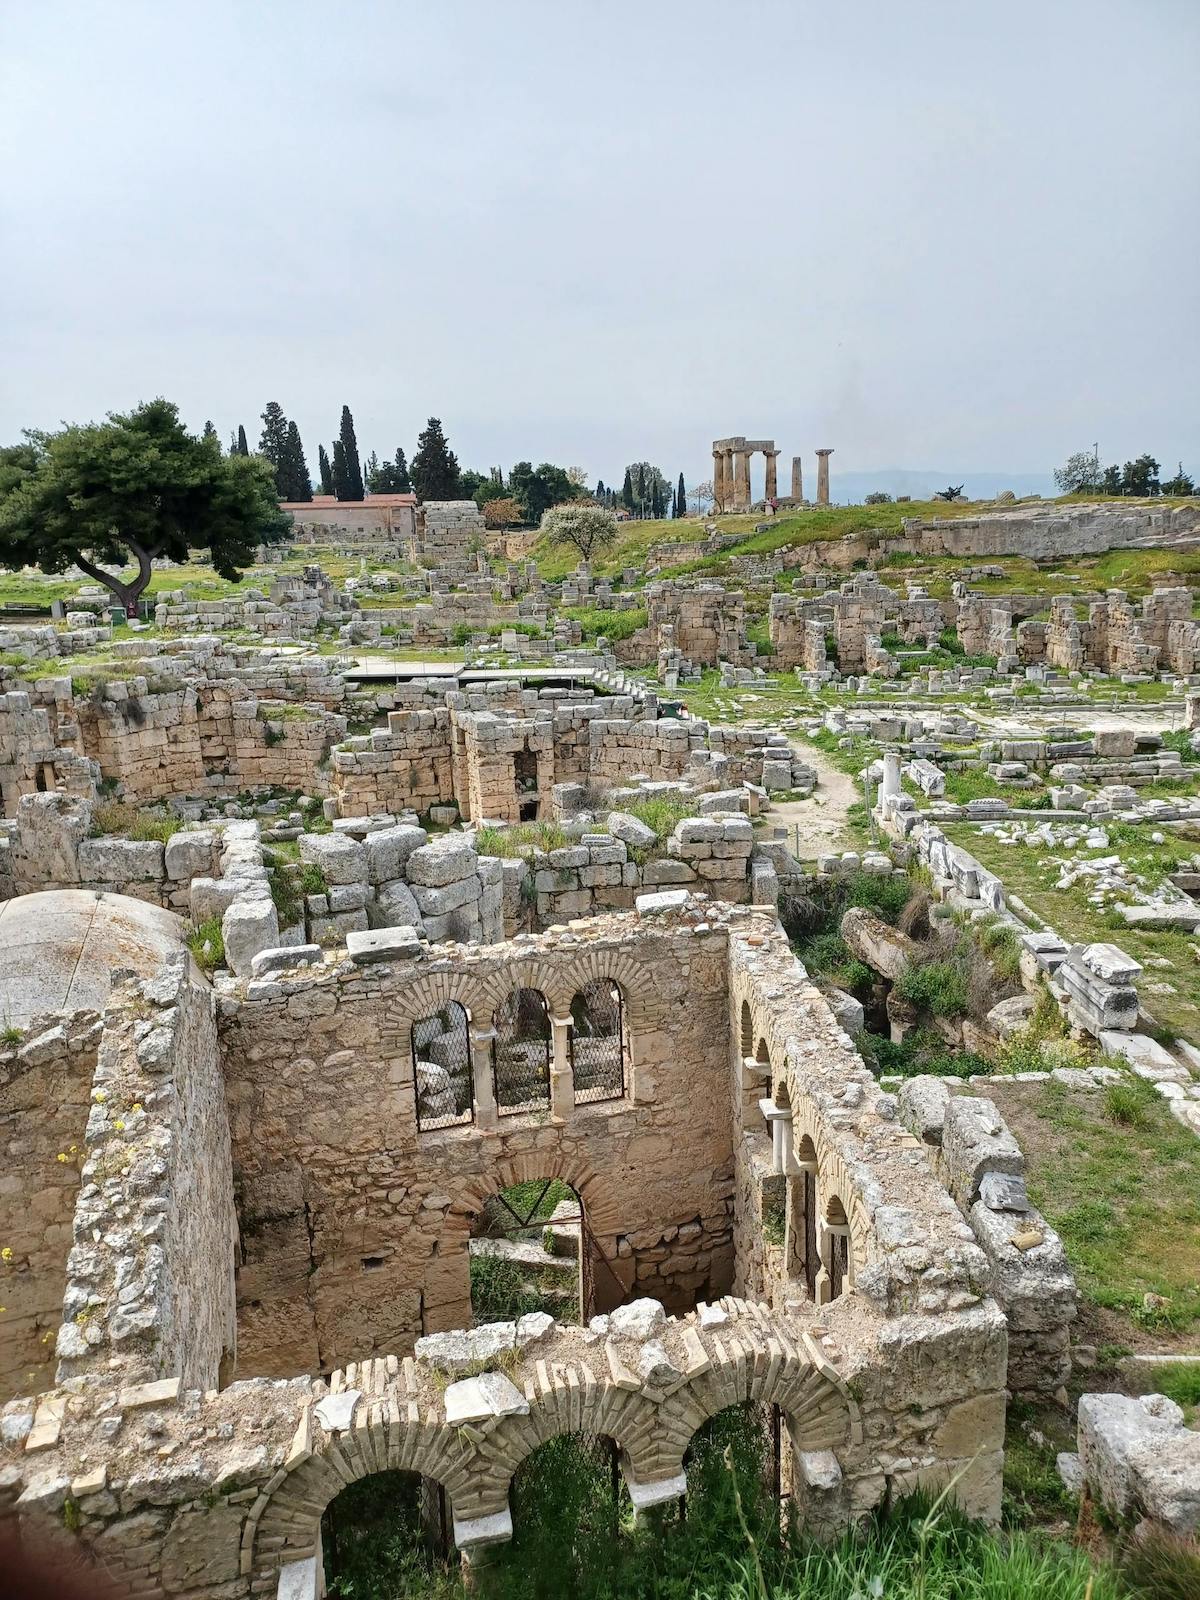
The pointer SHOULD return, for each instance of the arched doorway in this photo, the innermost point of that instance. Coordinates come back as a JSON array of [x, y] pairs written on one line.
[[737, 1449], [384, 1534], [527, 1254]]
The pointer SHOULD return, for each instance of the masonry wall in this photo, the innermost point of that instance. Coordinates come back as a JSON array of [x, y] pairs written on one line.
[[45, 1085], [355, 1226], [150, 1280]]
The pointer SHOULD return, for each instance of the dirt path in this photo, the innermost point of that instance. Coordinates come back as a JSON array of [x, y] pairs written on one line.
[[817, 825]]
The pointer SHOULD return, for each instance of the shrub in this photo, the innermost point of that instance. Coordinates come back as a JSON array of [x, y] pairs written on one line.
[[283, 893], [206, 943], [595, 622], [131, 823], [661, 814], [1127, 1103], [937, 986], [312, 879], [1163, 1566]]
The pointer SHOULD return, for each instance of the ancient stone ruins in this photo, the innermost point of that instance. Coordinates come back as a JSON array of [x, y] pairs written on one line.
[[306, 955]]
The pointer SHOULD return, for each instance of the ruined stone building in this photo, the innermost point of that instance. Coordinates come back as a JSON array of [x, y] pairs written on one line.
[[248, 1233]]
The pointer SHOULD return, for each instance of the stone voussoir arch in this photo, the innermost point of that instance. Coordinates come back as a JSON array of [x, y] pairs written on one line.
[[654, 1436], [600, 1205], [833, 1175], [284, 1522]]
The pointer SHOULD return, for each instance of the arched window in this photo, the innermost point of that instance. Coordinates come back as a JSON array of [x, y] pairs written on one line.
[[441, 1055], [521, 1053], [598, 1042], [747, 1030], [806, 1256], [838, 1225]]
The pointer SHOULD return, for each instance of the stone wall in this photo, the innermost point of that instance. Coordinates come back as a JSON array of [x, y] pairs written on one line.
[[150, 1277], [355, 1225], [45, 1090], [889, 1377]]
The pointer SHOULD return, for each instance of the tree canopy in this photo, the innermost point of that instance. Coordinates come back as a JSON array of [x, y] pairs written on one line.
[[537, 489], [434, 469], [133, 487], [351, 487], [587, 527], [389, 477], [1080, 474]]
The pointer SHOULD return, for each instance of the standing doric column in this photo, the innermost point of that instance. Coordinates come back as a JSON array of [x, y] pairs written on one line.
[[718, 480], [772, 482], [727, 478], [797, 478], [481, 1075], [741, 473], [562, 1078], [823, 476]]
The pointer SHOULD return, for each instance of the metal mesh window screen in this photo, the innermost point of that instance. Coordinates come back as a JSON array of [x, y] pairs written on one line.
[[441, 1053], [598, 1042], [521, 1053], [839, 1261]]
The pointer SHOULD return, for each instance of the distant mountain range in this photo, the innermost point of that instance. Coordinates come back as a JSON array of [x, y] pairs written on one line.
[[850, 488]]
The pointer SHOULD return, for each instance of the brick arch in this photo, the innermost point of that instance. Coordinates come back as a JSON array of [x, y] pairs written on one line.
[[388, 1435], [600, 1204], [283, 1526], [821, 1413], [655, 1437], [429, 993], [833, 1177], [643, 1004]]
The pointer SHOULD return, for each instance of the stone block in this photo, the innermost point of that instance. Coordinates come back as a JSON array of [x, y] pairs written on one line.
[[189, 855], [976, 1141], [249, 926], [441, 862], [383, 944], [340, 858], [388, 851], [119, 861], [923, 1102]]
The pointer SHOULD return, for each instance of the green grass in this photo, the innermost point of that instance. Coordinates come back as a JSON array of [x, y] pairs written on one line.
[[595, 622], [661, 813], [206, 943], [936, 986], [921, 1051], [1178, 1380], [520, 839], [1124, 1196], [116, 819], [1032, 874]]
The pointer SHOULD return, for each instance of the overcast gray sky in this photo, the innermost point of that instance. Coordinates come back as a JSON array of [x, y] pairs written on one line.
[[952, 233]]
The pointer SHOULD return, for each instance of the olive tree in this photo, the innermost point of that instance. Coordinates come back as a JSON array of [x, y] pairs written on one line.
[[129, 489], [587, 527]]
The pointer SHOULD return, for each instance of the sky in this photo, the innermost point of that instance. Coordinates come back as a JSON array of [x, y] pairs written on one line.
[[932, 235]]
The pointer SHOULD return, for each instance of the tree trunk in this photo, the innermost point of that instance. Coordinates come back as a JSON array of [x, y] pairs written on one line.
[[127, 593]]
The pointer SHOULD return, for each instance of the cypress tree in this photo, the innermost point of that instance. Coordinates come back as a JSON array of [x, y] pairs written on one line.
[[680, 498], [340, 476], [325, 470], [210, 434], [401, 482], [274, 446], [243, 448], [627, 492], [354, 479], [299, 482], [639, 491], [435, 466]]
